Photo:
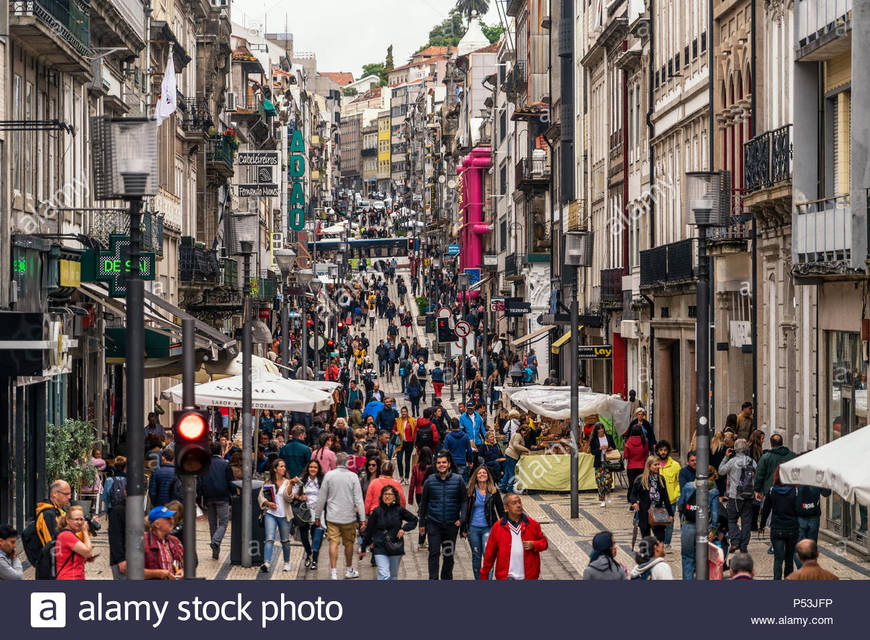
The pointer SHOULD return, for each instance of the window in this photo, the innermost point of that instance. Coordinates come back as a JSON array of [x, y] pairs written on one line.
[[502, 125], [29, 169], [703, 42], [16, 139]]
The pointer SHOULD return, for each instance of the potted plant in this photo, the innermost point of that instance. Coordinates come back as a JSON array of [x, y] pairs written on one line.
[[422, 305], [68, 448]]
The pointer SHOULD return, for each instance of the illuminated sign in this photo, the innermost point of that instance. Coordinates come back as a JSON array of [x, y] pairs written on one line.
[[114, 266], [296, 170], [19, 265]]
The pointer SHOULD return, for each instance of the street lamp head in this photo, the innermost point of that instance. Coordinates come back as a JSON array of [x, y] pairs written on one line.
[[462, 281], [304, 276], [245, 228], [285, 258], [124, 155], [709, 198], [578, 248], [315, 285]]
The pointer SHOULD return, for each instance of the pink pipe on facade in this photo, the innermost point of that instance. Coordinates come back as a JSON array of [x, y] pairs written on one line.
[[471, 246], [471, 295], [482, 228]]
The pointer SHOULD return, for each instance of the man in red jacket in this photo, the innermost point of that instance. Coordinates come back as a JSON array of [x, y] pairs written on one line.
[[514, 546]]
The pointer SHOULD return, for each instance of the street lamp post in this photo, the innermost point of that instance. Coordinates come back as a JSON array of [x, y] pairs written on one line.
[[707, 208], [462, 285], [245, 231], [316, 285], [124, 155], [578, 253], [303, 277], [285, 258]]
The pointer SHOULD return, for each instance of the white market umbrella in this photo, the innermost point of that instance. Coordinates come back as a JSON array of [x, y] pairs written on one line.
[[555, 403], [841, 466], [229, 368], [268, 391]]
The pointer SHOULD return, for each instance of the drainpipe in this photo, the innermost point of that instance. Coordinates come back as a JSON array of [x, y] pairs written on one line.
[[711, 312], [652, 182], [753, 125]]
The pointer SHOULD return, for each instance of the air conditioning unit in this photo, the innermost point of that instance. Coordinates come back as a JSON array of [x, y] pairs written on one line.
[[231, 101]]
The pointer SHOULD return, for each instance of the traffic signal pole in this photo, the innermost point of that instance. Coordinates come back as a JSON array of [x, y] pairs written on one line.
[[188, 400]]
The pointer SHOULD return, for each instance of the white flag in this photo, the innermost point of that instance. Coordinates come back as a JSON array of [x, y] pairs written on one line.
[[168, 102]]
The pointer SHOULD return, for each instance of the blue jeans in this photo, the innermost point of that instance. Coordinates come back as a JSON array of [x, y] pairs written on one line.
[[477, 537], [507, 481], [388, 566], [687, 549], [462, 469], [808, 527], [669, 530], [274, 523], [312, 538]]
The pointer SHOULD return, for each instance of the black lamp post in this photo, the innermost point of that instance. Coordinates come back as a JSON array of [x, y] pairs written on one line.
[[707, 208], [286, 259], [316, 285], [578, 254], [303, 277], [124, 155]]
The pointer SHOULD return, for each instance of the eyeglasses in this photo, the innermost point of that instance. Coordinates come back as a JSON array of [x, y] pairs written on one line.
[[65, 493]]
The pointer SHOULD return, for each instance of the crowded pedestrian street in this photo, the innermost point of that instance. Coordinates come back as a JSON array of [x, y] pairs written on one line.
[[447, 290]]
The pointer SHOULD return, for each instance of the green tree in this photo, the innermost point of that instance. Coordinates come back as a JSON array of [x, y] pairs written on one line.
[[349, 91], [68, 449], [492, 33], [388, 65], [373, 69], [448, 32], [467, 7]]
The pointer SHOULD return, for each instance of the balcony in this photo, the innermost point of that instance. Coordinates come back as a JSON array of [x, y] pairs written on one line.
[[106, 222], [220, 155], [669, 265], [819, 27], [737, 231], [264, 289], [197, 265], [517, 80], [611, 286], [822, 237], [768, 160], [58, 32], [228, 276], [533, 174], [197, 117]]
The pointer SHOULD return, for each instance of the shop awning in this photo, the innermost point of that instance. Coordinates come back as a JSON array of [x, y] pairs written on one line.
[[562, 341], [529, 337]]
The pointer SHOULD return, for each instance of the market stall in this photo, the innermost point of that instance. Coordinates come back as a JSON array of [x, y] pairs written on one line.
[[548, 467]]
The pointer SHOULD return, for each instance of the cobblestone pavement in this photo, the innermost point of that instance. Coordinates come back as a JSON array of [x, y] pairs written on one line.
[[570, 540]]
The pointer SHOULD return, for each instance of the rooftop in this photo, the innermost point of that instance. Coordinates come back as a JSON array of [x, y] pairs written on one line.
[[341, 78]]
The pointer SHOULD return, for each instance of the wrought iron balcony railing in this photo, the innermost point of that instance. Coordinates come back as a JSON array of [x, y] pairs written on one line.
[[70, 19], [196, 264], [768, 159], [611, 285], [669, 264], [197, 116], [106, 222]]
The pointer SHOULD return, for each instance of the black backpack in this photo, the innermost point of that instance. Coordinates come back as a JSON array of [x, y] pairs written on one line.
[[689, 509], [118, 492], [31, 543], [46, 567], [746, 484], [421, 371], [425, 437]]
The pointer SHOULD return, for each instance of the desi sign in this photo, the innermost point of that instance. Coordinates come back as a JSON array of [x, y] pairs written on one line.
[[114, 266], [597, 352]]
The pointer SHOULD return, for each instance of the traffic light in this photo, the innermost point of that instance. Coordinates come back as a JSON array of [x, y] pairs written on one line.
[[192, 450], [445, 332], [410, 244]]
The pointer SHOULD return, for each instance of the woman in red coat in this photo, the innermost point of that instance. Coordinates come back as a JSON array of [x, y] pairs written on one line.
[[514, 546], [635, 453]]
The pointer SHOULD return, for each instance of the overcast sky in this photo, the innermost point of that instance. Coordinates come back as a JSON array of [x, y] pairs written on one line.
[[345, 34]]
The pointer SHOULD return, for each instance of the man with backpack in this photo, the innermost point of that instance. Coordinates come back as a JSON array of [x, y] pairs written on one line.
[[43, 530], [437, 379], [421, 378], [115, 500], [740, 470], [215, 489], [162, 486]]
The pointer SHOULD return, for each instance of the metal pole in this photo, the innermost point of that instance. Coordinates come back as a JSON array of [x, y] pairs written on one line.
[[702, 438], [575, 390], [135, 531], [246, 418], [285, 333], [316, 341], [188, 399], [462, 368], [304, 367], [484, 359]]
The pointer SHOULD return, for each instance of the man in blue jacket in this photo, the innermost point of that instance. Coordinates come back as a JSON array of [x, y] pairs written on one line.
[[459, 445], [215, 489], [440, 506], [472, 424], [386, 421], [162, 486], [295, 453]]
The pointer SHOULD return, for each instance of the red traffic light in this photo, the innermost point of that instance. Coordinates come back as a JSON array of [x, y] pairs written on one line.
[[192, 426], [340, 324], [192, 447]]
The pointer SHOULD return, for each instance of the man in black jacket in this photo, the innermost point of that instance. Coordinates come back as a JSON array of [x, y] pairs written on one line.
[[440, 508], [215, 489]]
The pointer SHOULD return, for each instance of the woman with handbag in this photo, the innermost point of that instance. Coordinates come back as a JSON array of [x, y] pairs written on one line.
[[649, 498], [274, 500], [384, 533], [304, 501], [606, 459]]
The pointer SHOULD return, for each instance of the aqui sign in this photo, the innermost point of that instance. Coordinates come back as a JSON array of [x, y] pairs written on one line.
[[114, 266], [296, 170]]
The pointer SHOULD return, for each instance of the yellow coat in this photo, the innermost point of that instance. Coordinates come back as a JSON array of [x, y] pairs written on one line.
[[670, 472]]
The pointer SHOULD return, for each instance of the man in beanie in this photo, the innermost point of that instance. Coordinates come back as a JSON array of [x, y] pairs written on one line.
[[602, 560], [740, 471]]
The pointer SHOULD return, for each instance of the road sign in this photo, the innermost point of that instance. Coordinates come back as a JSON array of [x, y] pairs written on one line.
[[463, 329], [595, 352], [452, 249], [444, 312], [516, 307], [496, 304], [473, 275]]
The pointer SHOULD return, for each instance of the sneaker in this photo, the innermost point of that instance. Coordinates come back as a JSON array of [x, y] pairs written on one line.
[[770, 550], [313, 565], [265, 567], [215, 551], [603, 503], [307, 560], [286, 567], [351, 573], [333, 574]]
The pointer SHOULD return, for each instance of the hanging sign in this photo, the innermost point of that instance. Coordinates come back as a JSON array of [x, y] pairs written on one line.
[[113, 266], [296, 170]]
